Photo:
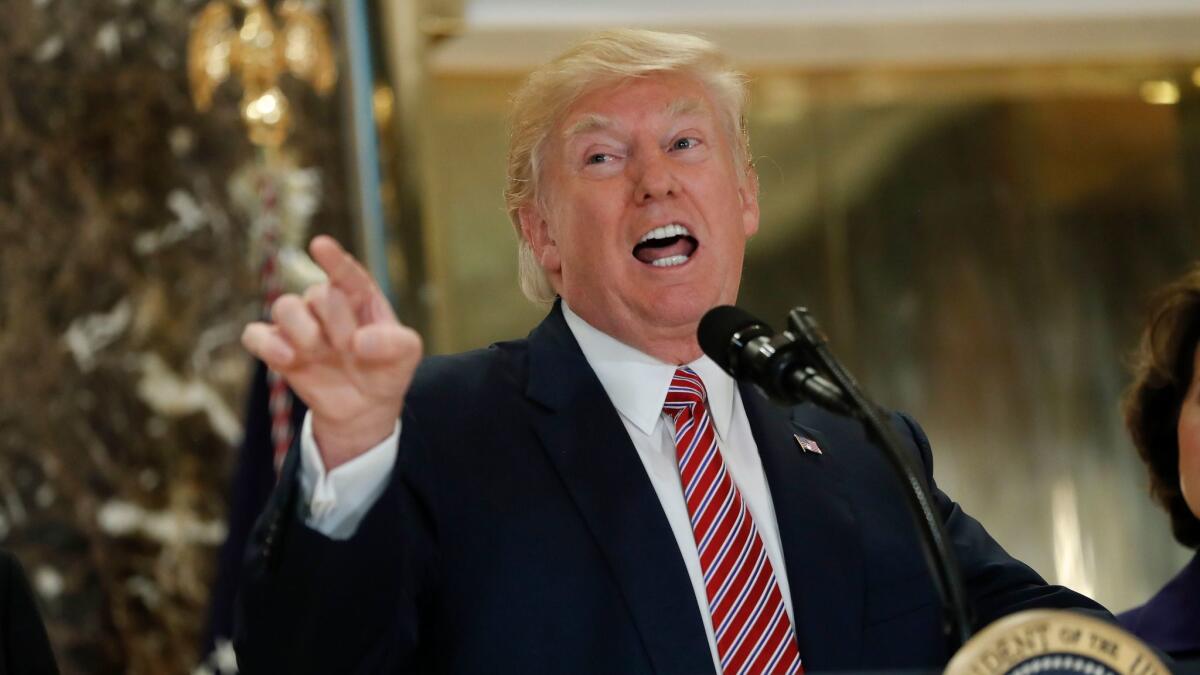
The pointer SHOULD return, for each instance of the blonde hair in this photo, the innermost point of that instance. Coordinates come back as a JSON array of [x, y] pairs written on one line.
[[603, 59]]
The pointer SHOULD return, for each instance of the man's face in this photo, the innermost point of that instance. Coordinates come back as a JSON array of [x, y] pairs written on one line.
[[1189, 440], [644, 220]]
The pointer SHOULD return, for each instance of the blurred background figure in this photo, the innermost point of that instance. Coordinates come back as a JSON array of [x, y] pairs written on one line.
[[1162, 411], [24, 647], [974, 198]]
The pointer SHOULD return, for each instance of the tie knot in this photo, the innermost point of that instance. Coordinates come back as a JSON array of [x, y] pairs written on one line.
[[686, 391]]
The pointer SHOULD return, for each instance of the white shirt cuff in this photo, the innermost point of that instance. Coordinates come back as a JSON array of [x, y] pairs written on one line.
[[338, 500]]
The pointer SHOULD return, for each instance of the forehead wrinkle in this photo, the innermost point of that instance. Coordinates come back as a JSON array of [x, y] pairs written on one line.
[[685, 105], [588, 123], [680, 107]]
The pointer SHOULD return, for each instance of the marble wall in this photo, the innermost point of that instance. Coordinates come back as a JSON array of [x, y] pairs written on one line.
[[125, 279]]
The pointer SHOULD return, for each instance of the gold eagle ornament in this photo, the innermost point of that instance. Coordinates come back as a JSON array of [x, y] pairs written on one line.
[[259, 52]]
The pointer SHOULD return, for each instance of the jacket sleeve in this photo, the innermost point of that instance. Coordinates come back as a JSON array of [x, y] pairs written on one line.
[[997, 584], [312, 604]]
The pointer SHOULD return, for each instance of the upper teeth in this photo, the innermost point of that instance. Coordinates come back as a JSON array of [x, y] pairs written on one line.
[[666, 231]]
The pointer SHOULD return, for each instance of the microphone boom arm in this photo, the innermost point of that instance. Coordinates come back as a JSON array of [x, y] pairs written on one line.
[[935, 542], [795, 366]]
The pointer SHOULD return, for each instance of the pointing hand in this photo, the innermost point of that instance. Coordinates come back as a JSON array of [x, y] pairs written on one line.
[[343, 351]]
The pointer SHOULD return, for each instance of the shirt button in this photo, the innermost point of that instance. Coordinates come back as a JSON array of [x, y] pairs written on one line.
[[319, 507]]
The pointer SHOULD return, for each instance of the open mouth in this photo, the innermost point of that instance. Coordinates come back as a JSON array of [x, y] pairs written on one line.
[[666, 246]]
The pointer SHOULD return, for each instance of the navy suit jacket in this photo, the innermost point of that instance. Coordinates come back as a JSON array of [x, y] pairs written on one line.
[[1170, 620], [519, 533]]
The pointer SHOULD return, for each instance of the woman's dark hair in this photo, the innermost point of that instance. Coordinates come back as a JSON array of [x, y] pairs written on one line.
[[1162, 374]]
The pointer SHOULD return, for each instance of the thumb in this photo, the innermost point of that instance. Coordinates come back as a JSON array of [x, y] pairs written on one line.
[[382, 342]]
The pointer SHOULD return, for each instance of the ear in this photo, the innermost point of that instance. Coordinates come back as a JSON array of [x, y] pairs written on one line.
[[748, 192], [536, 230]]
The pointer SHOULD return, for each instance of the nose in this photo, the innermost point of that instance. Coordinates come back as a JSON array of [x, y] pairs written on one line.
[[655, 178]]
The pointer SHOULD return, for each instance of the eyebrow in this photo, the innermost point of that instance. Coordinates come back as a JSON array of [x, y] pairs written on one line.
[[680, 107]]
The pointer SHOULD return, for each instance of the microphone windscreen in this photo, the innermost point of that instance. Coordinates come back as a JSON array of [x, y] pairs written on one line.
[[717, 329]]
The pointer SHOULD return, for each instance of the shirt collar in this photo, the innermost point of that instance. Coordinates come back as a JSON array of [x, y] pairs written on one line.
[[637, 383]]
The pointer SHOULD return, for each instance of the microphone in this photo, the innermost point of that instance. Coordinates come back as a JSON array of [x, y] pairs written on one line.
[[749, 349]]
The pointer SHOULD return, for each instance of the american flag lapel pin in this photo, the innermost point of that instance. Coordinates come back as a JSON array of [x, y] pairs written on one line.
[[807, 444]]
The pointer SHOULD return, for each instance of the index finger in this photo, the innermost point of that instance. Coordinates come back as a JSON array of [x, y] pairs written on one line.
[[343, 270]]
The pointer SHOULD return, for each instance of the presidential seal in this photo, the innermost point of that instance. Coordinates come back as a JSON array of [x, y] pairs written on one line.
[[1052, 642]]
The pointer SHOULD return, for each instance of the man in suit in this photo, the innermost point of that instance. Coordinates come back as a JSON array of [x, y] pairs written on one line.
[[598, 497]]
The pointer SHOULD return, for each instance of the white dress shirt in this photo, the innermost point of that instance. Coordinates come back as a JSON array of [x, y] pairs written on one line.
[[636, 383]]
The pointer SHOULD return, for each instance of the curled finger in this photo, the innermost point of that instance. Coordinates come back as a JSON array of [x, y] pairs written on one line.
[[294, 319], [267, 343], [332, 309]]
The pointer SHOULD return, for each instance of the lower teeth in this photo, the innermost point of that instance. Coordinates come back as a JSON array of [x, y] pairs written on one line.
[[670, 261]]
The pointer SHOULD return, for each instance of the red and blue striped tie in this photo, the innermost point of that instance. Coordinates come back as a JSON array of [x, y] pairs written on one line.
[[754, 634]]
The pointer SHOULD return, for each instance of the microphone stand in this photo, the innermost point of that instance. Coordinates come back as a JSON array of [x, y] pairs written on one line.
[[935, 544]]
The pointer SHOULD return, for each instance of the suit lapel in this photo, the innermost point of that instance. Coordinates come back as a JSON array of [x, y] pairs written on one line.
[[823, 555], [586, 442]]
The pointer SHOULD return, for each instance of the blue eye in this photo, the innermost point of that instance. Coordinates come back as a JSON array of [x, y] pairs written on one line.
[[685, 143], [598, 158]]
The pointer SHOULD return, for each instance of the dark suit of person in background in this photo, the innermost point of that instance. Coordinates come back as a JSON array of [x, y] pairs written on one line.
[[517, 519], [1162, 413], [24, 646]]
